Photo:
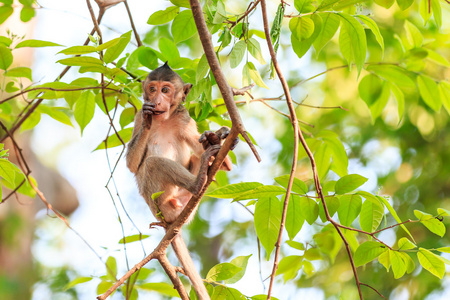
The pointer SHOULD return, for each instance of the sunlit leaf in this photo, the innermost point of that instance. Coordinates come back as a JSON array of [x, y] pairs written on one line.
[[397, 264], [289, 267], [84, 109], [78, 50], [372, 213], [114, 141], [113, 52], [298, 186], [241, 262], [352, 41], [261, 191], [330, 24], [429, 91], [309, 209], [237, 53], [234, 190], [19, 72], [161, 288], [374, 28], [133, 238], [349, 183], [36, 44], [294, 216], [6, 57], [163, 16], [431, 262], [222, 271], [349, 208], [183, 26], [77, 281], [405, 244], [267, 222]]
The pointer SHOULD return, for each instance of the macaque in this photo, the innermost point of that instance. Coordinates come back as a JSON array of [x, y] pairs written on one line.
[[167, 154]]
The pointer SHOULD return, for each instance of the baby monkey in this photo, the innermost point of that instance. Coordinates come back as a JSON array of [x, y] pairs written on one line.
[[167, 154]]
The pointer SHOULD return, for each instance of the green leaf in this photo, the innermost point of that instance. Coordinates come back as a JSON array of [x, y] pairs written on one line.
[[404, 4], [352, 41], [202, 68], [294, 216], [410, 265], [430, 222], [237, 54], [385, 3], [400, 99], [60, 114], [330, 25], [77, 281], [147, 57], [370, 88], [163, 16], [113, 52], [161, 288], [374, 28], [304, 6], [437, 12], [103, 286], [349, 183], [444, 90], [27, 13], [19, 72], [395, 75], [296, 245], [302, 28], [267, 222], [156, 195], [322, 157], [443, 212], [367, 252], [413, 34], [424, 10], [289, 267], [301, 47], [397, 263], [6, 57], [372, 213], [298, 186], [309, 209], [333, 204], [222, 271], [221, 14], [181, 3], [429, 92], [234, 190], [4, 41], [339, 157], [81, 61], [349, 208], [241, 262], [431, 262], [108, 44], [78, 50], [84, 109], [8, 170], [133, 238], [262, 191], [36, 44], [168, 49], [444, 249], [183, 26], [394, 214], [255, 50], [405, 244], [5, 12], [111, 267], [113, 140], [254, 74]]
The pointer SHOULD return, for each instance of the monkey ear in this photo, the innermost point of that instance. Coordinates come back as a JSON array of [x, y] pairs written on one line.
[[186, 89]]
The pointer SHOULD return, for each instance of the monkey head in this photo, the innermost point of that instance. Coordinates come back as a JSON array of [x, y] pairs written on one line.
[[164, 90]]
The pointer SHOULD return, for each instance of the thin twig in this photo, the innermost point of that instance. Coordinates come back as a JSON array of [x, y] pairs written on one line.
[[136, 35], [297, 132], [374, 289]]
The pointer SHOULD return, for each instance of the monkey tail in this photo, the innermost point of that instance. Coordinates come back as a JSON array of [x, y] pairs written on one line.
[[186, 262]]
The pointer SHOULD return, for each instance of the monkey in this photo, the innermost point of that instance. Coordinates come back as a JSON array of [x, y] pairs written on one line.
[[167, 154]]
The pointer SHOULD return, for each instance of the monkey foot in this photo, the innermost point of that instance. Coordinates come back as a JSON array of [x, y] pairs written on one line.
[[158, 224]]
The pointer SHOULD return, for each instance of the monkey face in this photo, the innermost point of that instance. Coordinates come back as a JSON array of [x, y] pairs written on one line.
[[163, 98]]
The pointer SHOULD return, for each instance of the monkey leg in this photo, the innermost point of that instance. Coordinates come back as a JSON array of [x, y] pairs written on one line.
[[186, 262]]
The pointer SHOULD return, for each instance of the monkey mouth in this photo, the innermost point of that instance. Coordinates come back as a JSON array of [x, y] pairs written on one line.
[[158, 112]]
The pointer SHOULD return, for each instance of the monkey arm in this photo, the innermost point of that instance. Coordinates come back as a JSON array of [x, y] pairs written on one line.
[[137, 148]]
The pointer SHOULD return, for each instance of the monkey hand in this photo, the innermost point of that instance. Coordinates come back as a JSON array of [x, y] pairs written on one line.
[[148, 110], [209, 153], [209, 138]]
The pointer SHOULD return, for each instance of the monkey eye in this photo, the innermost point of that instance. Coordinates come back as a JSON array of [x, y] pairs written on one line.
[[165, 89], [151, 89]]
